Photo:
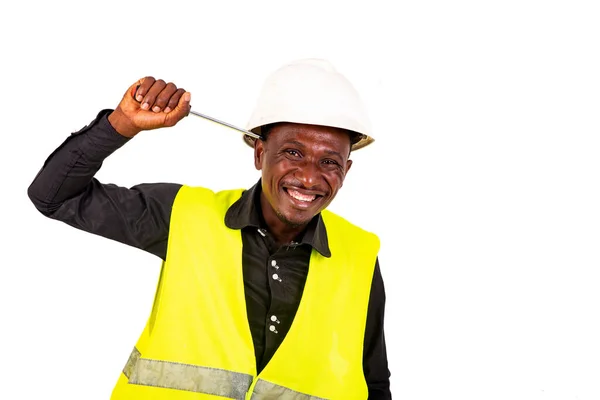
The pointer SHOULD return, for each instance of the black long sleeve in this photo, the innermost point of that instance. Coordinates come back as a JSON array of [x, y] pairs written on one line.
[[65, 189], [375, 365]]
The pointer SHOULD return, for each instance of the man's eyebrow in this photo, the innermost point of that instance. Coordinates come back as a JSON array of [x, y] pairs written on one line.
[[335, 153], [295, 142]]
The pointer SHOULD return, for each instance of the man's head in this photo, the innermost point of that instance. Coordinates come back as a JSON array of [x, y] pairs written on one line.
[[310, 117], [303, 167]]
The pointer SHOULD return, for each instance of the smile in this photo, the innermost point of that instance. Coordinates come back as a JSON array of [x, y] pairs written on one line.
[[301, 196], [301, 199]]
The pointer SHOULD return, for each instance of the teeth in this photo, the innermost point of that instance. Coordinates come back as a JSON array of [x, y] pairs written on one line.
[[302, 197]]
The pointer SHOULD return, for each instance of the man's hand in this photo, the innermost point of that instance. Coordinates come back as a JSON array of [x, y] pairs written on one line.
[[150, 104]]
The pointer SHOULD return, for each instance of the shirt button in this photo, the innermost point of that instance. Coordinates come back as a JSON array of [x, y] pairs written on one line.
[[272, 328], [276, 277], [273, 318], [273, 263]]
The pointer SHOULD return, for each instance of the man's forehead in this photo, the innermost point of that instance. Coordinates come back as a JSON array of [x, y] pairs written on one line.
[[287, 129]]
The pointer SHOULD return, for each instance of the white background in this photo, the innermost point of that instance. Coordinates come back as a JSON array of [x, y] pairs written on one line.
[[482, 182]]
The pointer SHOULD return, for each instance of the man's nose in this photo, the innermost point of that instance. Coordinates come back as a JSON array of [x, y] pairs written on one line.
[[309, 174]]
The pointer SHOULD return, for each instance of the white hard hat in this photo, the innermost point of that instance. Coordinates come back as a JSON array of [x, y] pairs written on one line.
[[310, 91]]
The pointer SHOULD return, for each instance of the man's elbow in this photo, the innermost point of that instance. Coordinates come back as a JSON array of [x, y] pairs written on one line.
[[39, 200]]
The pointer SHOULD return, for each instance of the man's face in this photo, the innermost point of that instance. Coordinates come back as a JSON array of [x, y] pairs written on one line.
[[303, 167]]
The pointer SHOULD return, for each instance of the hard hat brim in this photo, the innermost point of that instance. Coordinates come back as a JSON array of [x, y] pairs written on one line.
[[364, 141]]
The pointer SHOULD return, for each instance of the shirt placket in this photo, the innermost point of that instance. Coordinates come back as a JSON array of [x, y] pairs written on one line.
[[276, 277]]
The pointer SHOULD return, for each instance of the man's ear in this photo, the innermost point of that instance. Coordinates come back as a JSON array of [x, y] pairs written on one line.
[[348, 165], [259, 153]]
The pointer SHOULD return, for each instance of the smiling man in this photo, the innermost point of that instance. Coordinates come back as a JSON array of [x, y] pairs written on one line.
[[263, 293]]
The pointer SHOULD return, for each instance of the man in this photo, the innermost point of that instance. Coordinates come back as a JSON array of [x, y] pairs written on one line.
[[263, 293]]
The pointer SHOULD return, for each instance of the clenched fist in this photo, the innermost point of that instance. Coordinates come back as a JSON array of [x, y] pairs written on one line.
[[150, 104]]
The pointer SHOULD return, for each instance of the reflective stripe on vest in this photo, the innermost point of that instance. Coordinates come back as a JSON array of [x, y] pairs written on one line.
[[193, 378], [264, 390]]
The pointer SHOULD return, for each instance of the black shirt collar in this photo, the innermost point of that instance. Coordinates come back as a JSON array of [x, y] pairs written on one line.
[[246, 212]]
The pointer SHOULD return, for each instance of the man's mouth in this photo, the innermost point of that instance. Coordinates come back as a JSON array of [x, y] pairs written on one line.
[[302, 197]]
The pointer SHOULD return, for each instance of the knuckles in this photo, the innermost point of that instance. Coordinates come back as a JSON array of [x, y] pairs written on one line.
[[160, 88]]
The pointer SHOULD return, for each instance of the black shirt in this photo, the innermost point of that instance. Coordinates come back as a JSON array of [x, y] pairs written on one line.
[[65, 189]]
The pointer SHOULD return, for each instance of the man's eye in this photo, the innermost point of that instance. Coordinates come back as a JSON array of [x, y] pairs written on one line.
[[293, 153], [331, 162]]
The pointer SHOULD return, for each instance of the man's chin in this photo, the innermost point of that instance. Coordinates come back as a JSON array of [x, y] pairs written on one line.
[[293, 222]]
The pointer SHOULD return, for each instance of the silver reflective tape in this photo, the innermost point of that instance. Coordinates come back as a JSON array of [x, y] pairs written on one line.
[[133, 359], [193, 378], [264, 390]]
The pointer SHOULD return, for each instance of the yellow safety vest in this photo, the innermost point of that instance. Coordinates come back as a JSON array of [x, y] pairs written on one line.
[[197, 342]]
